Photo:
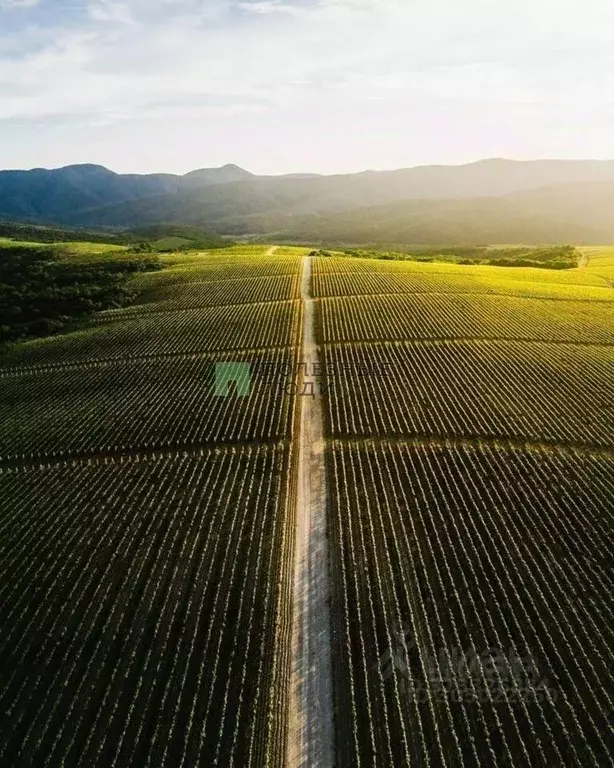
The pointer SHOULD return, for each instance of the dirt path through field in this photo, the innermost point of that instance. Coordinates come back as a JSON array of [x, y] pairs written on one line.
[[311, 735], [272, 250]]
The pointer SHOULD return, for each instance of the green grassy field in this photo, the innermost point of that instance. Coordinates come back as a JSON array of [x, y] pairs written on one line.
[[170, 243], [147, 522], [76, 248]]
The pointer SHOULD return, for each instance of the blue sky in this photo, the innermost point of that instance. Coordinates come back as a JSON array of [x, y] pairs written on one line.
[[302, 85]]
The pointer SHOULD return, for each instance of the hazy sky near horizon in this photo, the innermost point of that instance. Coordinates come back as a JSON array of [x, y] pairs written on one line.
[[303, 85]]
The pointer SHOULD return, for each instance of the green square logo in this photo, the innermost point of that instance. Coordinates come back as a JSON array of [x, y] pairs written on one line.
[[237, 373]]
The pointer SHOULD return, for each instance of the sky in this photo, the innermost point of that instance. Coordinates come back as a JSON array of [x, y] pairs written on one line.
[[282, 86]]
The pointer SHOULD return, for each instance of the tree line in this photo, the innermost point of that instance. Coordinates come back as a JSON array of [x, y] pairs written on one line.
[[43, 289]]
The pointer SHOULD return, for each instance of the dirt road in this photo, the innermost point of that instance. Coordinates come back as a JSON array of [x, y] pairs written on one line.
[[311, 736]]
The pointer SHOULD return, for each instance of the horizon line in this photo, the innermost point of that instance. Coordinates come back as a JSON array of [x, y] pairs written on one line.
[[311, 173]]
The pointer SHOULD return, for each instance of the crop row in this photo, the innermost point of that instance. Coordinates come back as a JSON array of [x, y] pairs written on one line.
[[336, 284], [197, 268], [207, 294], [473, 605], [605, 275], [209, 329], [428, 316], [533, 391], [349, 265], [251, 254], [142, 612], [144, 405], [599, 256]]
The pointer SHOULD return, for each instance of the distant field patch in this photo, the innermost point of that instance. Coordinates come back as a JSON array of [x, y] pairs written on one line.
[[171, 243]]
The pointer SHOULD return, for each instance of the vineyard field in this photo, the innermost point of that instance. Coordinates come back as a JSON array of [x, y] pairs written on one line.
[[473, 598], [146, 516], [349, 265], [131, 636], [289, 509], [332, 284], [114, 408], [433, 316], [536, 392], [470, 426], [200, 268], [210, 293], [155, 334]]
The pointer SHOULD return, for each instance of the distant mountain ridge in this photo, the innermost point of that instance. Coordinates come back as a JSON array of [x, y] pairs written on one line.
[[55, 195], [223, 175], [540, 201], [579, 214]]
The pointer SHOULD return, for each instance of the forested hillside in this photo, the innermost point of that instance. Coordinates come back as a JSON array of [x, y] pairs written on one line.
[[492, 201], [42, 289]]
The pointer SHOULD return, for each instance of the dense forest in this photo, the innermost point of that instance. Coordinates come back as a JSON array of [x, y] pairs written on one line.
[[160, 237], [42, 289], [39, 234]]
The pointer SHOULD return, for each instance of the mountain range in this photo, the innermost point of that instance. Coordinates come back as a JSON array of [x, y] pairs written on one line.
[[490, 201]]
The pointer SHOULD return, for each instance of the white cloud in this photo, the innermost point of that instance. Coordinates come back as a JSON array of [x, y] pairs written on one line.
[[303, 60], [136, 51], [264, 7], [111, 12], [8, 4]]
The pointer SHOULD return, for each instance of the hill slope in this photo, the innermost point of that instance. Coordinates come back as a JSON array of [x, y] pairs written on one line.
[[487, 201], [577, 213], [56, 196]]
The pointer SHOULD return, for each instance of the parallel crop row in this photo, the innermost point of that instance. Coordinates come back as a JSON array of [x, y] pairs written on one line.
[[473, 606], [144, 405], [381, 318], [141, 611], [337, 284], [187, 268], [208, 329], [351, 265], [192, 295], [348, 265], [533, 391]]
